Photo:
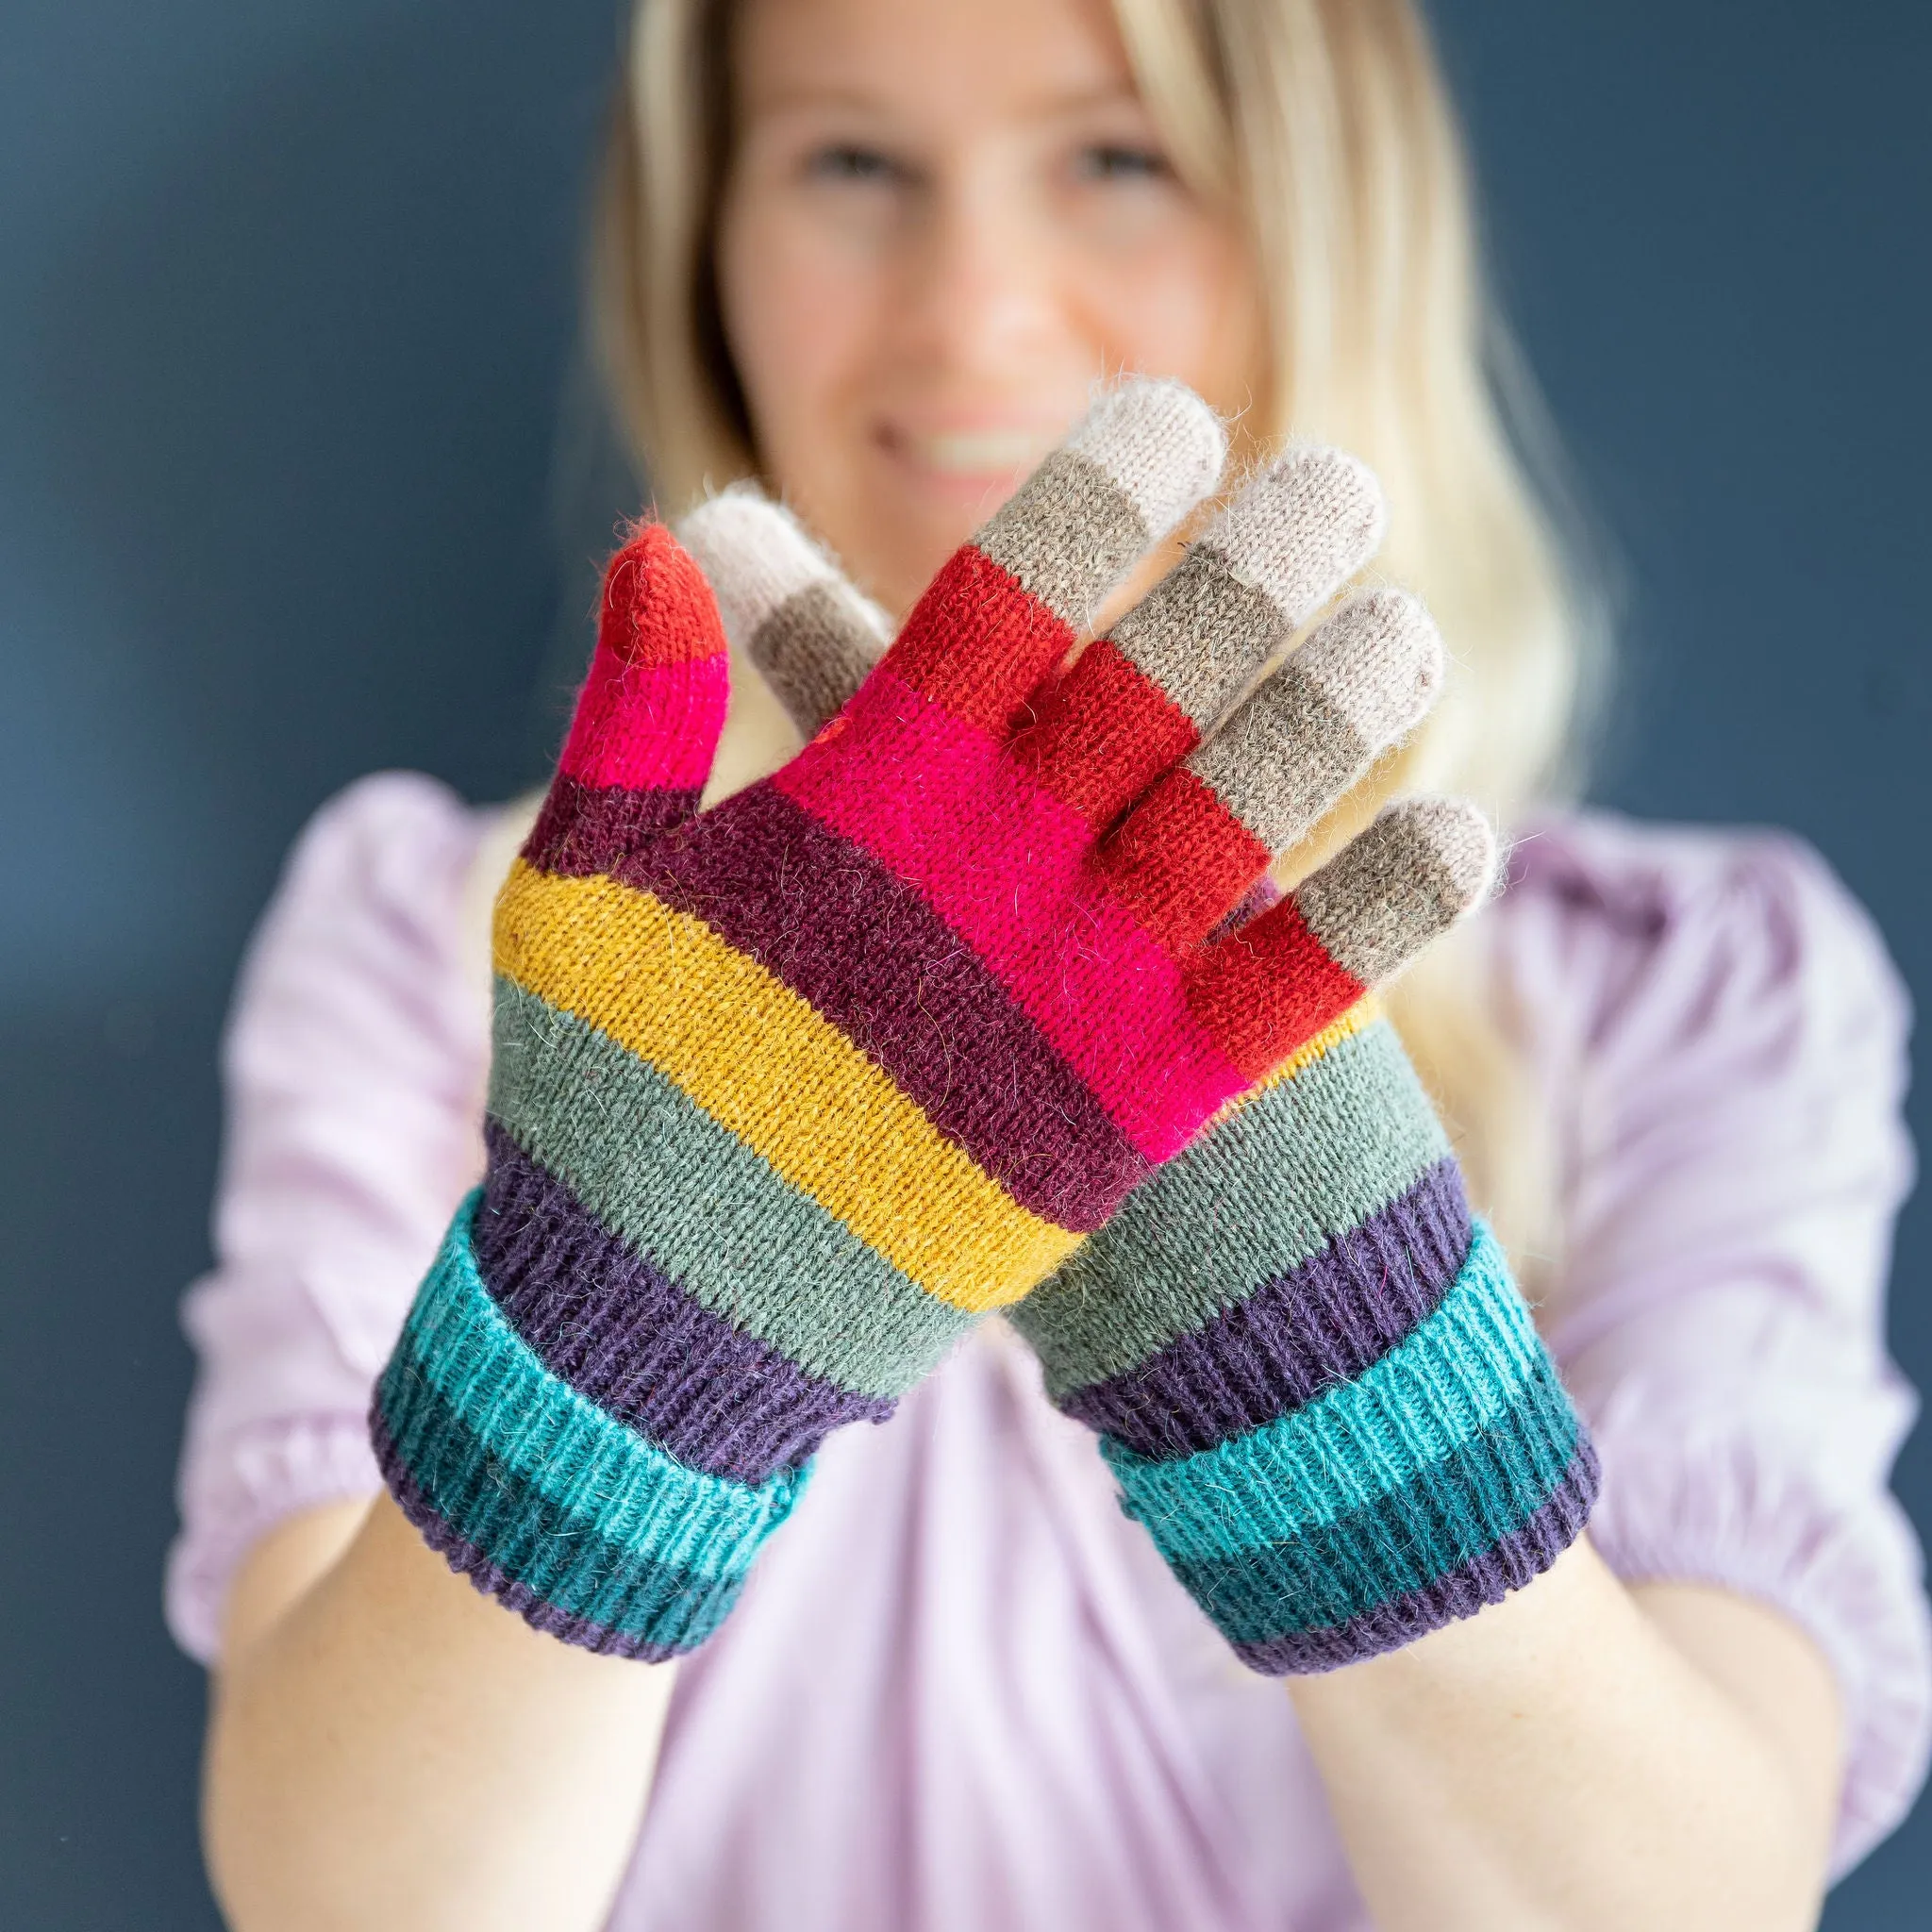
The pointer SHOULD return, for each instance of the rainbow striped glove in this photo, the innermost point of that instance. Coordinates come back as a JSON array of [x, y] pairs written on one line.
[[1307, 1363], [1312, 1374], [786, 1094]]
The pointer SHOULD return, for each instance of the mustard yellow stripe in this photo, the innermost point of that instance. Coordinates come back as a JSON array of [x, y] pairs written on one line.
[[762, 1063], [1365, 1011]]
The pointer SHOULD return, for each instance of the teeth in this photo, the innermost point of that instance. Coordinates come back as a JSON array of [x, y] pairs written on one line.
[[981, 452]]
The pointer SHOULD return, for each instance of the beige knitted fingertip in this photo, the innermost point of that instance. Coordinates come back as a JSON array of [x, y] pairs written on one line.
[[1422, 864], [1301, 528], [785, 603], [1157, 442], [1141, 458], [1379, 661], [755, 554]]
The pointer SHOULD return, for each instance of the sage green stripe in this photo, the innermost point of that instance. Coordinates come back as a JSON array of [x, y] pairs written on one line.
[[1449, 1383], [686, 1193], [1343, 1139], [538, 1434]]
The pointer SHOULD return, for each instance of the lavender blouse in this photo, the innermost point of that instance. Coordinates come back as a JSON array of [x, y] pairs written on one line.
[[961, 1690]]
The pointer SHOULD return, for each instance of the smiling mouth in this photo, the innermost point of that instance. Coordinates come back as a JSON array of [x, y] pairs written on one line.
[[975, 453]]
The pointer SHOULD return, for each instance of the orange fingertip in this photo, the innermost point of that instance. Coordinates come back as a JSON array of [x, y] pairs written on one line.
[[658, 609], [648, 716]]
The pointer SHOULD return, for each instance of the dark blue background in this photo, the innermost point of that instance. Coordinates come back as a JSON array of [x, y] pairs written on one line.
[[296, 480]]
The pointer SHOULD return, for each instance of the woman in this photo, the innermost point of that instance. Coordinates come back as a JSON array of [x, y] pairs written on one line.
[[877, 251]]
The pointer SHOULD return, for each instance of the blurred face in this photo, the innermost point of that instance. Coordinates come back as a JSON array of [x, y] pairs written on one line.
[[942, 220]]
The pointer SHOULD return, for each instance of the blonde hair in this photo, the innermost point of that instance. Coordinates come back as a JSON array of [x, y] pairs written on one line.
[[1325, 125]]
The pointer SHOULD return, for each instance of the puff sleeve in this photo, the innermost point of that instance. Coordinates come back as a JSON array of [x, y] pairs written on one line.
[[353, 1070], [1723, 1040]]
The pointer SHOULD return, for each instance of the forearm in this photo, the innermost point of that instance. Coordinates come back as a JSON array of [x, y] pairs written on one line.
[[1564, 1760], [394, 1750]]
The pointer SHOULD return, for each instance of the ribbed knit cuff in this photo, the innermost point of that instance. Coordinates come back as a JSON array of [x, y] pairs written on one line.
[[584, 1526], [1449, 1473]]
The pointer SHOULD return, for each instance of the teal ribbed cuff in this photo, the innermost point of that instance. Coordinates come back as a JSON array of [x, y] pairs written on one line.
[[1449, 1449], [544, 1499]]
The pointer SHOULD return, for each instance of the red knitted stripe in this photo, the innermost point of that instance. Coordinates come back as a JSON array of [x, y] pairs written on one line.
[[1268, 988], [1104, 734], [977, 643], [1181, 861], [657, 607]]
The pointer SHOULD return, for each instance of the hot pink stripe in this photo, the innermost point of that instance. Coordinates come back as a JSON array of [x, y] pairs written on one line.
[[998, 858], [648, 727]]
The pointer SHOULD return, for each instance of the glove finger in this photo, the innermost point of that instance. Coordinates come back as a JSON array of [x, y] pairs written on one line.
[[1007, 607], [1186, 855], [1147, 693], [647, 720], [1273, 984], [786, 605]]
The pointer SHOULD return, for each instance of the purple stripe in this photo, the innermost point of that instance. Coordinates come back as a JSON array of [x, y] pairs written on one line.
[[877, 962], [1301, 1333], [621, 1332], [489, 1576], [585, 829], [1518, 1558]]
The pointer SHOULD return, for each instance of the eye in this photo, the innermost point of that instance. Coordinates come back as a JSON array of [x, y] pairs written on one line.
[[848, 161], [1118, 161]]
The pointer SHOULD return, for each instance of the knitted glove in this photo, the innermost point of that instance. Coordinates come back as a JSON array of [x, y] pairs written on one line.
[[1307, 1363], [1312, 1374], [785, 1094]]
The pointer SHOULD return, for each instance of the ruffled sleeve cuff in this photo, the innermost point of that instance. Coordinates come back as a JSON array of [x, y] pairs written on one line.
[[272, 1471], [1733, 1512]]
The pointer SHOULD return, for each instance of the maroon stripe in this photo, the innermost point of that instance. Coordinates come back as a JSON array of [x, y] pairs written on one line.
[[621, 1331], [1298, 1334], [873, 959], [587, 828]]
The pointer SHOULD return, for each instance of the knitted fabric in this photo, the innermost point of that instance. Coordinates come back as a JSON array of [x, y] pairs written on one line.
[[1312, 1374], [1306, 1361], [786, 603], [786, 1094]]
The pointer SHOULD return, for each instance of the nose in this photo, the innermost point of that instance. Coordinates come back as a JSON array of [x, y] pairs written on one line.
[[979, 295]]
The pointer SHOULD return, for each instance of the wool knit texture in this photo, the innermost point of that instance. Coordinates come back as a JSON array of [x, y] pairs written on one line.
[[1312, 1374], [1307, 1363], [786, 1094]]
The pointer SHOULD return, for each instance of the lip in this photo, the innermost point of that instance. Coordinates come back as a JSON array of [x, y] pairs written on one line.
[[968, 458]]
